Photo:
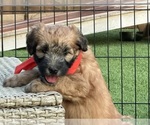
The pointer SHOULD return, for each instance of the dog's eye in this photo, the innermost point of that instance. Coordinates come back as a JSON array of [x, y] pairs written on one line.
[[44, 49], [66, 51]]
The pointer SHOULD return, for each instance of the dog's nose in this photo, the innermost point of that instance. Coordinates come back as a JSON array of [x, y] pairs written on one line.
[[53, 70]]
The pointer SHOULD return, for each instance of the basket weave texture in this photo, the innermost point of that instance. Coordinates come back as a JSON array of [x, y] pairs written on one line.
[[16, 104]]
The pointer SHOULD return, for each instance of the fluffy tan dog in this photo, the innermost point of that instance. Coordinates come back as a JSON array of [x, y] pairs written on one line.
[[55, 49]]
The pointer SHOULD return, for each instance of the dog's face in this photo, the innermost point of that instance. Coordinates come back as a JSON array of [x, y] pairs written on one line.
[[54, 49]]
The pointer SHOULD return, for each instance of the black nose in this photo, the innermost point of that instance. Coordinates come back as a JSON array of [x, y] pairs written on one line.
[[53, 70]]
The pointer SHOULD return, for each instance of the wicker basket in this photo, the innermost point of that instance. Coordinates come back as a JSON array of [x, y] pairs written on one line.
[[18, 105]]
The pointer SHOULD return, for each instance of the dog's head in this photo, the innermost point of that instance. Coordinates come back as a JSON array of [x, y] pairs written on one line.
[[54, 49]]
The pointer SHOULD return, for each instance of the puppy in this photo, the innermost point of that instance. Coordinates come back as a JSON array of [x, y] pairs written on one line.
[[55, 50]]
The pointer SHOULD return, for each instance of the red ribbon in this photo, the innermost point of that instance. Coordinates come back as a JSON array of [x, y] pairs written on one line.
[[30, 64]]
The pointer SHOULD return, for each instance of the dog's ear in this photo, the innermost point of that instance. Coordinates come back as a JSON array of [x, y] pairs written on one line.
[[82, 41], [31, 37], [31, 43]]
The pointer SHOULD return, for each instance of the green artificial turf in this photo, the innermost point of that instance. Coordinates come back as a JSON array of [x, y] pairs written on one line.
[[125, 67]]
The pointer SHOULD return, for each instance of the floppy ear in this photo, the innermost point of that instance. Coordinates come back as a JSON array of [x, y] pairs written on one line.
[[31, 43], [82, 40], [31, 37], [82, 43]]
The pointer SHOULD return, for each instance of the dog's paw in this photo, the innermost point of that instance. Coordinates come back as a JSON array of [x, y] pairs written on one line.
[[36, 86], [15, 81], [11, 82], [31, 88]]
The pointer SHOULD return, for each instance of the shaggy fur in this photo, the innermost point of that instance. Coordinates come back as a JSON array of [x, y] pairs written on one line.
[[85, 94]]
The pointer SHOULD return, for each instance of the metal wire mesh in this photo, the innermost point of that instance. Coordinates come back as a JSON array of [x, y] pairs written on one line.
[[99, 20]]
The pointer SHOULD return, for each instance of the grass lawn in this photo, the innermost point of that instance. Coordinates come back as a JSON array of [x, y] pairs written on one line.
[[125, 67]]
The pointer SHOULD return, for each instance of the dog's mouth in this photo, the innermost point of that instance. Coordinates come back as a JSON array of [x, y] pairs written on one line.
[[51, 80]]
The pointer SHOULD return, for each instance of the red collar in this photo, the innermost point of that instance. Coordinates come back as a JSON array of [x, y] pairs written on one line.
[[75, 64], [30, 64]]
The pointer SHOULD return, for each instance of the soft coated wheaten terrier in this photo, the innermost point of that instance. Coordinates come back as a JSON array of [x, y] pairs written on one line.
[[55, 49]]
